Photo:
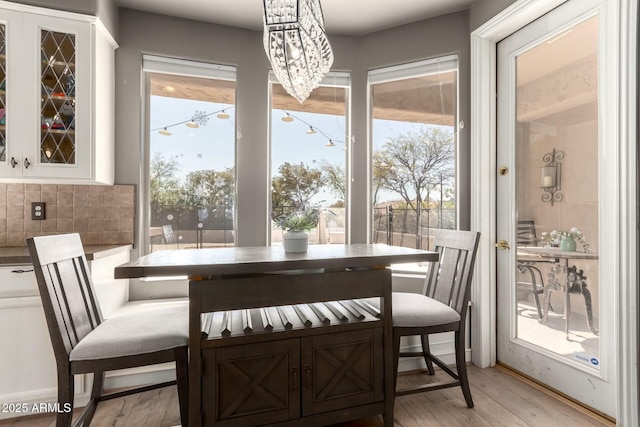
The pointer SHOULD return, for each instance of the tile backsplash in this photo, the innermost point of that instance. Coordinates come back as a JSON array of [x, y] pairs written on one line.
[[101, 214]]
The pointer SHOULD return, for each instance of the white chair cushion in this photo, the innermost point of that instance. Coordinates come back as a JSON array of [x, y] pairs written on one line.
[[412, 309], [154, 328]]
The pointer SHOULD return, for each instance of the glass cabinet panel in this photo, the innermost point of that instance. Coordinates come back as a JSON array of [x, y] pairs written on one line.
[[3, 93], [58, 106]]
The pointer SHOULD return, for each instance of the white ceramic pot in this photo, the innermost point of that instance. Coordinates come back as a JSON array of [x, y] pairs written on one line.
[[295, 241]]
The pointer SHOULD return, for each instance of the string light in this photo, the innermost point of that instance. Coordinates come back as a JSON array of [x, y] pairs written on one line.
[[199, 118], [288, 117]]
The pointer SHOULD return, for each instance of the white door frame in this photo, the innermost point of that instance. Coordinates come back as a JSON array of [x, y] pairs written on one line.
[[483, 189]]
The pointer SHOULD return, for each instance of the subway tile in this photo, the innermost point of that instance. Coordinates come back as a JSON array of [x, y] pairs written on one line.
[[65, 188], [33, 187], [65, 212], [81, 212], [65, 225], [15, 239], [32, 196], [33, 226], [49, 225], [52, 212], [49, 188], [65, 198], [15, 198], [14, 225], [50, 198], [3, 239], [15, 187], [15, 212], [125, 212], [80, 199], [80, 225], [3, 226], [96, 224], [125, 224], [96, 198]]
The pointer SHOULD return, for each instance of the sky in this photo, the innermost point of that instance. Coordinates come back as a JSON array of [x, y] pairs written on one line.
[[211, 146]]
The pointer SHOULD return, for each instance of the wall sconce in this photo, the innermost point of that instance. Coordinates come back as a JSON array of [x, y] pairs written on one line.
[[551, 178]]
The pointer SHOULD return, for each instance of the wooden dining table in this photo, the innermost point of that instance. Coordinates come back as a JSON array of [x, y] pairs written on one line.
[[286, 338]]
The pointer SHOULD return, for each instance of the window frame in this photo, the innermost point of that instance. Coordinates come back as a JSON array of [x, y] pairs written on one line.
[[339, 79], [181, 67]]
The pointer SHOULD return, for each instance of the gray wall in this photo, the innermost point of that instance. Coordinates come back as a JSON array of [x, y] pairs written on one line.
[[142, 33], [103, 9], [484, 10]]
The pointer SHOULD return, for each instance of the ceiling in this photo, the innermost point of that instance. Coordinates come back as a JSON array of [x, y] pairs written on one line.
[[344, 17]]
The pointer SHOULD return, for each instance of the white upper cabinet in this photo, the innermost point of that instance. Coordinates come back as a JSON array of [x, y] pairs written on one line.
[[56, 97]]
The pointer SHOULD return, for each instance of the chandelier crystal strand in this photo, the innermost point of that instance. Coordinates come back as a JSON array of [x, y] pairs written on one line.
[[296, 44]]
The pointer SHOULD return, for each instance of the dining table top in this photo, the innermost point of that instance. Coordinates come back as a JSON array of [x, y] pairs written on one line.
[[261, 259], [557, 253]]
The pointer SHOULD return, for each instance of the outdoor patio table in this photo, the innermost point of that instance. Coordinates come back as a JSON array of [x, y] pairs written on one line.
[[550, 253]]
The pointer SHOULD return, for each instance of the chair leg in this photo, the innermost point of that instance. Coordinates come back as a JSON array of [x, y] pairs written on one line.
[[182, 377], [96, 392], [425, 352], [65, 398], [396, 358], [461, 366]]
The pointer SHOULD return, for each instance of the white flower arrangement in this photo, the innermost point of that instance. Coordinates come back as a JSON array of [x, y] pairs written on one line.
[[555, 237]]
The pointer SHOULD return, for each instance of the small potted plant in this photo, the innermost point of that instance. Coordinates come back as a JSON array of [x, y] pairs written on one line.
[[296, 228]]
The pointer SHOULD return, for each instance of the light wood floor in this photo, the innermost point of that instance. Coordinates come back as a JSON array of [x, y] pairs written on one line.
[[500, 398]]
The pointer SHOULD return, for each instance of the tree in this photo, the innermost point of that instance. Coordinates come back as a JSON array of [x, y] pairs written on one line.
[[164, 186], [209, 188], [335, 178], [415, 164], [294, 187]]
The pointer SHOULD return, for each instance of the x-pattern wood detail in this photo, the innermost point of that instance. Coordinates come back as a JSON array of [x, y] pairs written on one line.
[[254, 386], [344, 369]]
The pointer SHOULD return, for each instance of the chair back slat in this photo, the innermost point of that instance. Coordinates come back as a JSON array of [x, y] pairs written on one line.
[[66, 290], [448, 280], [527, 233]]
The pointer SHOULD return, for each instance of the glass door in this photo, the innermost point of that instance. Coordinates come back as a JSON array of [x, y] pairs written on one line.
[[58, 102], [553, 283]]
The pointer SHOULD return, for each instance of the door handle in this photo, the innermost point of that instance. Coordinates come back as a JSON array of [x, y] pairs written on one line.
[[13, 163], [502, 244], [27, 163]]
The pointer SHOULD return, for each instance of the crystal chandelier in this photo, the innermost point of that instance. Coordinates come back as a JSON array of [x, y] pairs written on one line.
[[296, 44]]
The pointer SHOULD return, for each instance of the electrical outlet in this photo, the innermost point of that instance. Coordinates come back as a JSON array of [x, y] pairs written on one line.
[[38, 211]]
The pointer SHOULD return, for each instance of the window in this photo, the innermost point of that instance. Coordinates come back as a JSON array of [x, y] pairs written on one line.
[[309, 158], [413, 133], [191, 181]]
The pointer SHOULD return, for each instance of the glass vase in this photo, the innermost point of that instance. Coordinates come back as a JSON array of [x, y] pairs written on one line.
[[568, 244]]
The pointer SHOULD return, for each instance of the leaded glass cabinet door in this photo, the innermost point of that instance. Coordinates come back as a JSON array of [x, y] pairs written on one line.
[[10, 34], [58, 102], [62, 146], [3, 92]]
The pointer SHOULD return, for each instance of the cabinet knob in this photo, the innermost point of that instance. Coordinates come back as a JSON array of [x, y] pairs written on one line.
[[27, 163], [13, 162]]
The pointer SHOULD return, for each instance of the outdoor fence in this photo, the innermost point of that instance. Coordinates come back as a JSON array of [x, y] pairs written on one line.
[[408, 227]]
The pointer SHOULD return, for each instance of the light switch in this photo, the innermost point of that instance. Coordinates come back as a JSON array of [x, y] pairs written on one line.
[[38, 211]]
